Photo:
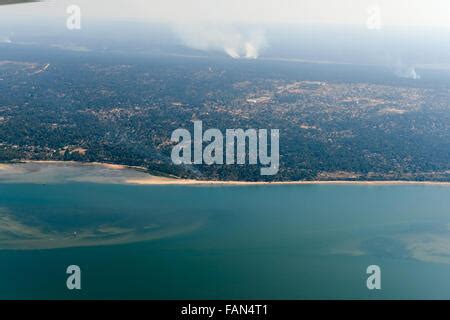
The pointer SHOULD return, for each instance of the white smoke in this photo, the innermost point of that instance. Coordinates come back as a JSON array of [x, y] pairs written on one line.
[[251, 52], [407, 73], [236, 43], [5, 39], [232, 52]]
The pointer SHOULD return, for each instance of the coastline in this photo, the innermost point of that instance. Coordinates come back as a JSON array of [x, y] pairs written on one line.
[[150, 179], [263, 183]]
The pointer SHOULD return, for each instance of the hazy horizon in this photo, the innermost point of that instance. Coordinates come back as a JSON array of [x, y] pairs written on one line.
[[408, 34], [408, 13]]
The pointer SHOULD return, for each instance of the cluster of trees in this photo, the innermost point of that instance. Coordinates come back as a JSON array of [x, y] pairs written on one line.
[[125, 113]]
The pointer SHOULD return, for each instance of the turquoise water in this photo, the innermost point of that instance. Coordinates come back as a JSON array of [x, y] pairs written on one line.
[[224, 242]]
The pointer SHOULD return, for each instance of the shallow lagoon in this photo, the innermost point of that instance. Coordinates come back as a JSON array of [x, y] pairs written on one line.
[[256, 242]]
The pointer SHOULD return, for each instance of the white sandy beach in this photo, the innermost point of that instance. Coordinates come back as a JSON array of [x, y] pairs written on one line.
[[147, 179], [167, 181], [137, 176]]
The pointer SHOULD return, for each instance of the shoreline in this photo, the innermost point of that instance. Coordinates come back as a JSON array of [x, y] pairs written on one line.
[[172, 180], [264, 183], [100, 164]]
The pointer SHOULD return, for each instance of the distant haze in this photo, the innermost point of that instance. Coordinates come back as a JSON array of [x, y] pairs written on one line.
[[410, 33], [394, 13]]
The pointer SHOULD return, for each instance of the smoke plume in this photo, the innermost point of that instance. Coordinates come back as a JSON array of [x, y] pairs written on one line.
[[407, 73], [5, 39], [235, 42]]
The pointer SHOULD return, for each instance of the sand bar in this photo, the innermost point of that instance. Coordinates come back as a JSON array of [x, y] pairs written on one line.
[[123, 174]]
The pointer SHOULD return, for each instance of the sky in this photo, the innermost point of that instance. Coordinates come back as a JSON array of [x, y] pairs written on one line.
[[243, 28], [431, 13]]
